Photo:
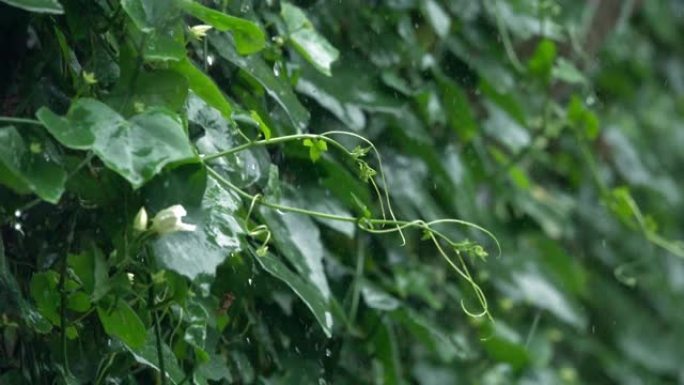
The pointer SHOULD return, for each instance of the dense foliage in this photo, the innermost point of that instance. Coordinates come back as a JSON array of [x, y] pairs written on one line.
[[260, 192]]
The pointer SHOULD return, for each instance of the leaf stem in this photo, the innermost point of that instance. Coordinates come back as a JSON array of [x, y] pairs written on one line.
[[9, 119]]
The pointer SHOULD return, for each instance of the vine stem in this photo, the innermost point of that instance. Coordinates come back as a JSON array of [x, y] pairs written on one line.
[[325, 137], [462, 271], [366, 224], [400, 224], [358, 274], [155, 320], [158, 337], [276, 140], [63, 298], [505, 37]]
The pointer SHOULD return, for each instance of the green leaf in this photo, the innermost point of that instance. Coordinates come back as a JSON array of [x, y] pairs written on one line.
[[504, 344], [276, 86], [309, 43], [44, 292], [243, 168], [350, 93], [203, 86], [157, 28], [167, 45], [147, 355], [437, 17], [42, 6], [162, 88], [566, 71], [28, 167], [298, 238], [91, 269], [217, 235], [78, 302], [12, 301], [459, 113], [314, 299], [249, 38], [216, 369], [184, 185], [136, 149], [122, 322], [536, 289], [376, 298], [582, 118], [316, 148], [164, 44], [317, 198], [541, 62], [428, 334], [151, 14], [386, 348], [263, 127], [83, 266]]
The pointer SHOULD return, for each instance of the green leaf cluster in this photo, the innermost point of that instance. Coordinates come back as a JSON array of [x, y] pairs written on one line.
[[377, 192]]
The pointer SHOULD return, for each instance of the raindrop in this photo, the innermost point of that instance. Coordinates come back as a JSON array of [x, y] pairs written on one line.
[[17, 213], [210, 60], [249, 281], [276, 69], [328, 353]]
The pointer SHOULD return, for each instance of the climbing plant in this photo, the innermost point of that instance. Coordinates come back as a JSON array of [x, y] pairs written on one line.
[[385, 192]]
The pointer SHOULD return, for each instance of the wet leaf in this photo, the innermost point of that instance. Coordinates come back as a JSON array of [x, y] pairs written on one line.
[[122, 322], [218, 233], [152, 89], [307, 291], [276, 86], [137, 148], [151, 14], [297, 237], [306, 40], [203, 86], [248, 37], [46, 296], [26, 170], [147, 355], [41, 6]]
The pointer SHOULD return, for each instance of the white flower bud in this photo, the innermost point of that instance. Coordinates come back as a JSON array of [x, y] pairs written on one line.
[[140, 221], [199, 31], [170, 220]]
